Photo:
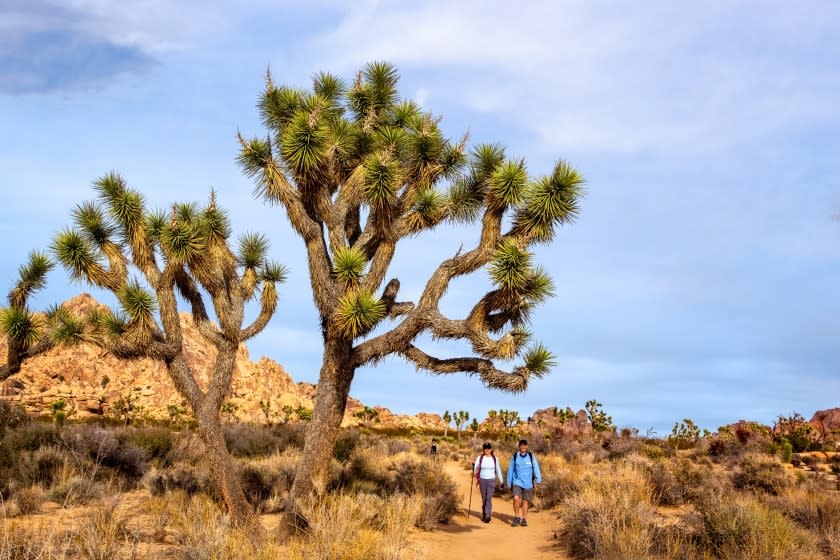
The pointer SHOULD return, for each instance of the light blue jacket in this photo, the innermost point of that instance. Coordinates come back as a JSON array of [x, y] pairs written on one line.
[[522, 473]]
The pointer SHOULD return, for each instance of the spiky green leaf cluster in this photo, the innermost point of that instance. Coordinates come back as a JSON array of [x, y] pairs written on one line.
[[253, 248], [92, 223], [382, 178], [272, 272], [156, 221], [20, 324], [75, 253], [65, 329], [551, 201], [539, 360], [358, 312], [511, 268], [349, 265], [32, 277], [137, 302], [305, 141], [124, 205], [507, 184]]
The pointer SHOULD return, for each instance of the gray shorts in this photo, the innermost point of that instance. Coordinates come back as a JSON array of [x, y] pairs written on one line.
[[526, 494]]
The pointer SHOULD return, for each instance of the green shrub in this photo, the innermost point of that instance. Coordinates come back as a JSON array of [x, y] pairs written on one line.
[[157, 442]]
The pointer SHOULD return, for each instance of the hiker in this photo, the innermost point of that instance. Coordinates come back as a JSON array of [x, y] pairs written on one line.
[[433, 450], [523, 473], [487, 470]]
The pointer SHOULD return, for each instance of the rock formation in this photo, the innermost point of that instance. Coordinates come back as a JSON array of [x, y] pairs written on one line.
[[91, 381]]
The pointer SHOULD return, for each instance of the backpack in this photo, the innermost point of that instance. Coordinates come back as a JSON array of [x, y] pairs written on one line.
[[480, 459], [533, 471]]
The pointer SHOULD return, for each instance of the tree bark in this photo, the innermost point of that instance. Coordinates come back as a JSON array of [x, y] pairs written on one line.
[[334, 383], [221, 466]]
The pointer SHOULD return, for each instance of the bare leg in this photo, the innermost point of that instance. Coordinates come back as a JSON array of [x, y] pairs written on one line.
[[524, 509], [516, 506]]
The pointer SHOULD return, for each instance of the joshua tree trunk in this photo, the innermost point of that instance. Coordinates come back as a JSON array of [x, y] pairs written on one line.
[[330, 402], [221, 466]]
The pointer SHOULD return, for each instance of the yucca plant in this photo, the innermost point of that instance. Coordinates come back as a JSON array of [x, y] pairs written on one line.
[[356, 170], [144, 258]]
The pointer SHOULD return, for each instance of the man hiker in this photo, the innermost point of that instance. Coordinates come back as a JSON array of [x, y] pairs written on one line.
[[487, 470], [523, 473], [433, 450]]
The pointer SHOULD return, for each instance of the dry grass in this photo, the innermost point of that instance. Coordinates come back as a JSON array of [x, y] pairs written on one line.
[[816, 510], [611, 517], [739, 527], [359, 527]]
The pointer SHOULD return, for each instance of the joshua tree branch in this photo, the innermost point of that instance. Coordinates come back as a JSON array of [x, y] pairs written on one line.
[[514, 382]]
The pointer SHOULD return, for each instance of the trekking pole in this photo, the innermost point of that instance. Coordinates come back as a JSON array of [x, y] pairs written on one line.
[[469, 505]]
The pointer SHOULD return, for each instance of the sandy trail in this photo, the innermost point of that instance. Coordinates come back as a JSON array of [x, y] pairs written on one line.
[[470, 538]]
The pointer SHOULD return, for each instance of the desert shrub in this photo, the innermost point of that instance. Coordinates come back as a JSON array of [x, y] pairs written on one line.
[[29, 500], [94, 447], [291, 435], [678, 481], [738, 527], [652, 451], [346, 442], [611, 517], [185, 477], [761, 472], [156, 441], [245, 440], [561, 479], [29, 437], [397, 446], [372, 470], [266, 481], [363, 527], [12, 416], [79, 490]]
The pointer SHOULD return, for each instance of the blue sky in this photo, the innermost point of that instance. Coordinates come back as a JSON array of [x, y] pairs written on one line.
[[700, 280]]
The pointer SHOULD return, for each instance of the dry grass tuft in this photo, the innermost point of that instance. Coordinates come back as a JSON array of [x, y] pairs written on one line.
[[359, 527]]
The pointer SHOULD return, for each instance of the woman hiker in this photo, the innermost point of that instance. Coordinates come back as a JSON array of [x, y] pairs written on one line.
[[487, 470]]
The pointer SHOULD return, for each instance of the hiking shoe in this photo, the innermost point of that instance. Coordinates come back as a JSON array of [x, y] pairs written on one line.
[[524, 522], [486, 519], [515, 522]]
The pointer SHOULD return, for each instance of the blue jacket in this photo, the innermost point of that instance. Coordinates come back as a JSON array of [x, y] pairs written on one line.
[[523, 472]]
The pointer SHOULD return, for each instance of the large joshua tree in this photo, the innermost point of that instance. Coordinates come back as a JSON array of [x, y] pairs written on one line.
[[356, 170], [144, 258]]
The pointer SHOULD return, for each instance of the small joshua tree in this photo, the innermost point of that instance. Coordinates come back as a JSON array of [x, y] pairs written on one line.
[[368, 416], [447, 420], [600, 420], [356, 170], [144, 257], [461, 418]]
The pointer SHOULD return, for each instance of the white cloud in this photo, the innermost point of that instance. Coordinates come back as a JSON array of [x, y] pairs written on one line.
[[595, 76]]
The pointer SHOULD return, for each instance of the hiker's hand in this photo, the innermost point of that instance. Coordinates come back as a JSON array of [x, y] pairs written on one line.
[[502, 487]]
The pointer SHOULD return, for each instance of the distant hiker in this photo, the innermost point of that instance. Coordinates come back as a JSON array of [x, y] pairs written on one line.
[[523, 473], [433, 450], [487, 470]]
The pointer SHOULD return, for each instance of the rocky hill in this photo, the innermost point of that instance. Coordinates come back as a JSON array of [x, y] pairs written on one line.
[[92, 382]]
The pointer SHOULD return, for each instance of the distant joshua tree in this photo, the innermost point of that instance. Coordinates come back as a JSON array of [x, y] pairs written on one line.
[[461, 418], [144, 258], [356, 170], [447, 420]]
